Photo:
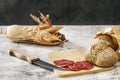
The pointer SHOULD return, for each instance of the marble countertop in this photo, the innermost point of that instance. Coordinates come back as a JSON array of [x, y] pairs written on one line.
[[79, 36]]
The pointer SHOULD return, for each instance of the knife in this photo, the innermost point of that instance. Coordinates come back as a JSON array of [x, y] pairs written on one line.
[[32, 60]]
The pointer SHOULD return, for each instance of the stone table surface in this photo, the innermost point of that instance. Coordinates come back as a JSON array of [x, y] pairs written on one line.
[[79, 36]]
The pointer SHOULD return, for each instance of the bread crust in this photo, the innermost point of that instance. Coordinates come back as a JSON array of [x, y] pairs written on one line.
[[103, 50]]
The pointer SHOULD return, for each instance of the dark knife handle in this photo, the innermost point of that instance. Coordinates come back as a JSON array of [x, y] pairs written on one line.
[[22, 55]]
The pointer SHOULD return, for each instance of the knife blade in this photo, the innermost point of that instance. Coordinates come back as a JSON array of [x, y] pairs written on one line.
[[32, 60]]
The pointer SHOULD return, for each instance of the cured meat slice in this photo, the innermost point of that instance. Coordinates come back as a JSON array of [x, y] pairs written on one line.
[[66, 68], [88, 65], [80, 65], [73, 66], [63, 62]]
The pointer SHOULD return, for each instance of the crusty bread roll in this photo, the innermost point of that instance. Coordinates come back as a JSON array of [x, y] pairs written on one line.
[[104, 50], [114, 32], [106, 58], [108, 38]]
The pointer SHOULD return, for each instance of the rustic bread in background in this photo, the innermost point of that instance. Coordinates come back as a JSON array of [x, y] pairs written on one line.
[[104, 50], [108, 38], [118, 53], [114, 32]]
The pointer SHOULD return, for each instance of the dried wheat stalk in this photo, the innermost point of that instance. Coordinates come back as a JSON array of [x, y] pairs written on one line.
[[44, 33]]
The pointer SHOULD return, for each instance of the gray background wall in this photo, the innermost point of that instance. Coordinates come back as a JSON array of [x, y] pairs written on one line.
[[61, 11]]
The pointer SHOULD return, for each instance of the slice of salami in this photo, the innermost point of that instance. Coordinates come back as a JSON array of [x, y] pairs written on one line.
[[73, 66], [66, 68], [88, 65], [80, 65], [63, 62]]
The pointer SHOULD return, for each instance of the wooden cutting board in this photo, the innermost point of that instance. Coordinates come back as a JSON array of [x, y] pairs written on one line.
[[75, 55]]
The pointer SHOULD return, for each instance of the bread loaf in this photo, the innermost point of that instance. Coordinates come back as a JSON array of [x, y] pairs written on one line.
[[103, 51], [106, 58], [114, 32]]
